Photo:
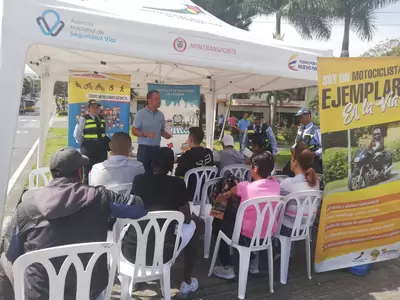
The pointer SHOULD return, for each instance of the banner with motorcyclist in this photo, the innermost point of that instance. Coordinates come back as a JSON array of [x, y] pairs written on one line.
[[360, 124]]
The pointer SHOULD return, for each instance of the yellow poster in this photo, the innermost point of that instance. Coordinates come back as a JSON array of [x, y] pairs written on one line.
[[360, 124], [112, 91]]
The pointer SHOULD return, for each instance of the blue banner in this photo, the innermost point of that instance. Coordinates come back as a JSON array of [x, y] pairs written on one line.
[[181, 107], [116, 115]]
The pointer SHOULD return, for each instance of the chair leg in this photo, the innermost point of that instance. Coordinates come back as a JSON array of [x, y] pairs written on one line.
[[126, 287], [214, 258], [166, 284], [244, 263], [271, 269], [308, 256], [286, 246], [207, 236]]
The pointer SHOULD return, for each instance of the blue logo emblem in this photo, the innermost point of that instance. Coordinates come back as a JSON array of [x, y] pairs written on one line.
[[50, 29]]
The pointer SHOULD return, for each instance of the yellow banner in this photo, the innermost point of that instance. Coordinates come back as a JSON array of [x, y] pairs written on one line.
[[102, 87], [360, 124]]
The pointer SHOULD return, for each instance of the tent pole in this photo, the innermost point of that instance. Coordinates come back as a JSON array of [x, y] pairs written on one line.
[[11, 83], [226, 116], [210, 115], [47, 85]]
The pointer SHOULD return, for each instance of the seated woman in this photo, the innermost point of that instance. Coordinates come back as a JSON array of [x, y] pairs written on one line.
[[263, 185], [305, 179]]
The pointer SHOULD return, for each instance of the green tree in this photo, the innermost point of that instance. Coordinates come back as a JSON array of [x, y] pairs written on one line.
[[385, 48], [60, 91], [26, 88], [275, 99], [309, 17], [357, 15], [233, 12]]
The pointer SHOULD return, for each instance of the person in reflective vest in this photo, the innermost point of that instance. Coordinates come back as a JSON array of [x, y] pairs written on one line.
[[310, 133], [262, 132], [90, 133]]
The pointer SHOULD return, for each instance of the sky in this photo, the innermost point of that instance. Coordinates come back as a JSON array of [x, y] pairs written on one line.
[[387, 26]]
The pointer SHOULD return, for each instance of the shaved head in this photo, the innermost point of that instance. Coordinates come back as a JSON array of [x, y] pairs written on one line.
[[121, 144]]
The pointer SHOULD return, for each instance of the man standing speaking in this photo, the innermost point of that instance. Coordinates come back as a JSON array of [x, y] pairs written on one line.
[[149, 127]]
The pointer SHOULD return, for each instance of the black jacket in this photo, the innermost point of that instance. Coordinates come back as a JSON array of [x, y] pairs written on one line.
[[65, 212]]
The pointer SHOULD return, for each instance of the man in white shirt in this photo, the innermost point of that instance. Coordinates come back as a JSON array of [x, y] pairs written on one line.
[[118, 168]]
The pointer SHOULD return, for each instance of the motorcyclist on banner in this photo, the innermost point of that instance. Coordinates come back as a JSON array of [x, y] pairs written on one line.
[[377, 147], [263, 132], [309, 133]]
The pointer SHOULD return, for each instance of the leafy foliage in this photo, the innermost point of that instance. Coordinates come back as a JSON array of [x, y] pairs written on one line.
[[389, 47], [233, 12], [289, 134], [26, 87]]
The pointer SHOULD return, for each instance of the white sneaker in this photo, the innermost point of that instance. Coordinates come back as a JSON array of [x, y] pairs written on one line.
[[189, 288], [224, 272], [253, 268]]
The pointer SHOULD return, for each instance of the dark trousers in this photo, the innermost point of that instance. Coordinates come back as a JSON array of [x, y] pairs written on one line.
[[146, 155], [96, 151], [6, 277]]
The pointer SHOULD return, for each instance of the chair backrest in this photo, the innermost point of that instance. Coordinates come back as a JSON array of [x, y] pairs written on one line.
[[39, 177], [306, 205], [57, 280], [270, 207], [125, 188], [142, 234], [201, 175], [241, 171], [280, 178], [205, 194]]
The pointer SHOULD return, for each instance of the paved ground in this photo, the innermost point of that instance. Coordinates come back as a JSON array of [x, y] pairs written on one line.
[[381, 283]]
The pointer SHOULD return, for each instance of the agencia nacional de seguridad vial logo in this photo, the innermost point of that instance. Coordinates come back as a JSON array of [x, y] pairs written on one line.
[[50, 23]]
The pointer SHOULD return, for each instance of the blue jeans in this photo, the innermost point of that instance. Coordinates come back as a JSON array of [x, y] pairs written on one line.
[[241, 141], [146, 155]]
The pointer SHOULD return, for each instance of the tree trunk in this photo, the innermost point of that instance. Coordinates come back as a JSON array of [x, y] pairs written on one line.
[[278, 23], [346, 38]]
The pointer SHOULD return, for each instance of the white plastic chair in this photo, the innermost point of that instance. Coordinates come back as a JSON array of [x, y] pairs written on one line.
[[38, 176], [57, 280], [307, 203], [273, 206], [241, 171], [203, 211], [280, 178], [139, 272], [125, 188], [202, 175]]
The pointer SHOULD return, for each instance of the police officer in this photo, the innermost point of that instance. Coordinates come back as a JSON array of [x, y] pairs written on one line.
[[90, 133], [262, 131], [310, 133]]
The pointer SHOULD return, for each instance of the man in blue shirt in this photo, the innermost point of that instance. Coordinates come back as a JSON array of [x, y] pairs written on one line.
[[242, 126], [149, 127]]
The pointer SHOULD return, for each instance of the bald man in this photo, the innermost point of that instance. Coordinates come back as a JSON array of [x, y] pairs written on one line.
[[118, 168]]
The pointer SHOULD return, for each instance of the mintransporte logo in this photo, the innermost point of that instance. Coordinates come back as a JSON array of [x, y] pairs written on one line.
[[50, 23], [189, 9]]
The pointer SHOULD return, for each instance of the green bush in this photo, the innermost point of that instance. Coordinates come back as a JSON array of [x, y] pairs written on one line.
[[394, 148], [336, 165], [289, 134], [63, 113]]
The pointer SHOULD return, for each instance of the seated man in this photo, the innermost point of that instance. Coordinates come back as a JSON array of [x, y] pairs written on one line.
[[263, 185], [117, 169], [162, 192], [229, 155], [65, 212], [197, 156]]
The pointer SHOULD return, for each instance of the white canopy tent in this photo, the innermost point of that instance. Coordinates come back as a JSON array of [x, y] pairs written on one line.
[[172, 42]]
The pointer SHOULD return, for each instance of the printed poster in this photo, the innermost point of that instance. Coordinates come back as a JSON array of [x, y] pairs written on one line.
[[360, 122], [181, 107], [112, 91]]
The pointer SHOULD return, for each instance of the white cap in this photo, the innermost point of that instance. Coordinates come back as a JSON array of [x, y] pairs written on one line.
[[227, 140]]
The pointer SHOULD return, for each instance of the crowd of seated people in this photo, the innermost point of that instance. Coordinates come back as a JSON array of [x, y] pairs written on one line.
[[78, 213]]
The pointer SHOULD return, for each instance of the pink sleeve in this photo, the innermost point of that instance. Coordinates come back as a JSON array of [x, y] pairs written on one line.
[[241, 187]]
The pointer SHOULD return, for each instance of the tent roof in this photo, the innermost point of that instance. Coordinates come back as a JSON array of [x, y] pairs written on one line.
[[171, 41]]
